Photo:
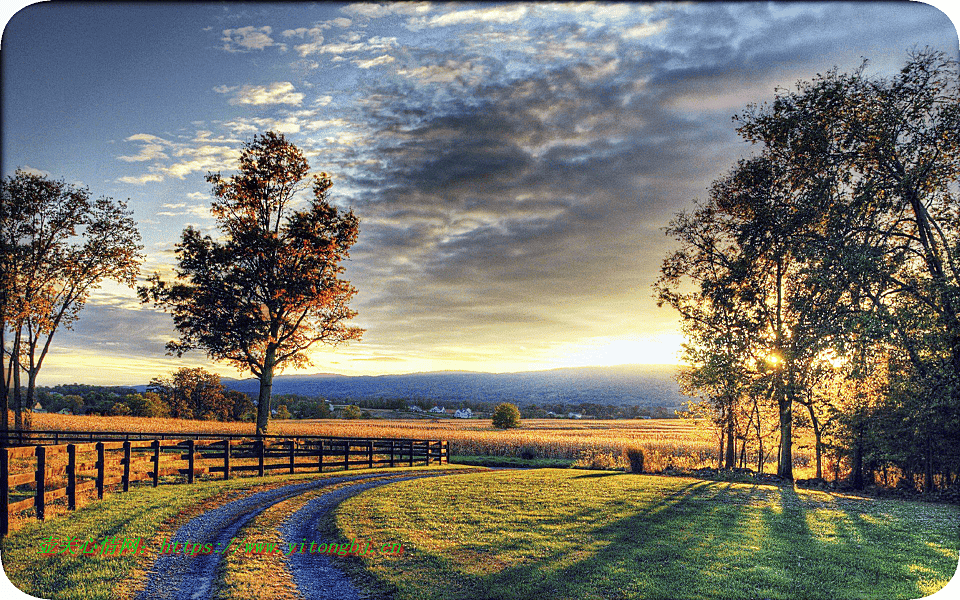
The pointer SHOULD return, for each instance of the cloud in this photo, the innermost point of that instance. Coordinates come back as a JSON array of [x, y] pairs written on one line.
[[373, 10], [141, 179], [281, 92], [246, 39], [498, 14], [383, 59]]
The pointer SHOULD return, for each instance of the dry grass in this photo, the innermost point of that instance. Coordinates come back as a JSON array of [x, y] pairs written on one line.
[[681, 443]]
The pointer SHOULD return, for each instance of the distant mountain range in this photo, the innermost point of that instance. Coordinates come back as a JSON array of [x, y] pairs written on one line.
[[624, 385]]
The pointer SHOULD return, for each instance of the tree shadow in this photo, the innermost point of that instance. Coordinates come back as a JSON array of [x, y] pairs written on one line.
[[722, 540]]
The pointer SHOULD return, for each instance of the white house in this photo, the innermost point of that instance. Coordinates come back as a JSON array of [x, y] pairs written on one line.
[[437, 409], [463, 413], [574, 415], [414, 409]]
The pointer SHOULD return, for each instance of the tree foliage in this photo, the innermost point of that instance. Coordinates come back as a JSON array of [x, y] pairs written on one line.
[[837, 243], [57, 245], [269, 288], [506, 416], [195, 394]]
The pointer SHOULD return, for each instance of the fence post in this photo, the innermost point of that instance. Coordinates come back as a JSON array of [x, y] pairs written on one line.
[[369, 454], [260, 465], [411, 452], [293, 454], [126, 465], [191, 448], [226, 459], [4, 490], [391, 453], [156, 463], [346, 455], [41, 477], [101, 468], [71, 477], [320, 457]]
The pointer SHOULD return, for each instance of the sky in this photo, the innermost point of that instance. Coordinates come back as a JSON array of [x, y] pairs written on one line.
[[512, 165]]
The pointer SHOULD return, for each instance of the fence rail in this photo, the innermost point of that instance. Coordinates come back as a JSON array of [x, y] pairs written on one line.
[[32, 476]]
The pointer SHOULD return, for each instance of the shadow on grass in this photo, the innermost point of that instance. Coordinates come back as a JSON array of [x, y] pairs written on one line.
[[727, 540]]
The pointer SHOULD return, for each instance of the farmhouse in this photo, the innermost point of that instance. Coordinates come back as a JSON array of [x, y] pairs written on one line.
[[437, 409], [463, 413]]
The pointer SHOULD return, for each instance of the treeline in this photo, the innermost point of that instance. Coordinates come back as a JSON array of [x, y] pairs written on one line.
[[819, 283], [186, 394]]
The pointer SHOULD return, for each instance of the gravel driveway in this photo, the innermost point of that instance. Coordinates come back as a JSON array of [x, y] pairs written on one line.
[[177, 576]]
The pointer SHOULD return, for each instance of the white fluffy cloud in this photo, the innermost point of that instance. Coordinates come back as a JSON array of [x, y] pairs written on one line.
[[280, 92], [247, 38]]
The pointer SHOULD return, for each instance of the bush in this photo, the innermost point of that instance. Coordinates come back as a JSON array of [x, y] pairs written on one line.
[[506, 415], [634, 456]]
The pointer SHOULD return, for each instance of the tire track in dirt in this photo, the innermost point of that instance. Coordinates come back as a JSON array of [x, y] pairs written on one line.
[[177, 576]]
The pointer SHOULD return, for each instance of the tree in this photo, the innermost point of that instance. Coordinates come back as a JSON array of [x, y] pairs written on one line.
[[194, 394], [890, 148], [351, 412], [56, 246], [149, 404], [269, 289], [506, 415]]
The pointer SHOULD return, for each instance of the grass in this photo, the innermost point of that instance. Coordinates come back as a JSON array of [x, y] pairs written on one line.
[[151, 514], [590, 535], [511, 461]]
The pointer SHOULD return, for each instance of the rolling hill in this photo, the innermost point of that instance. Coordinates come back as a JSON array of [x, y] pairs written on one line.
[[624, 385]]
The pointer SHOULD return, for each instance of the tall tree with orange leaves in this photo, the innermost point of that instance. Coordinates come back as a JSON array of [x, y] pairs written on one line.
[[269, 288]]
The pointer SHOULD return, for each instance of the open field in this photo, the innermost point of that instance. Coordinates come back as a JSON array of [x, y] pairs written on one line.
[[682, 443], [569, 534]]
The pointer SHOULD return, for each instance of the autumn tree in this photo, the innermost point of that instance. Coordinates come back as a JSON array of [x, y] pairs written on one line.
[[193, 393], [57, 245], [269, 288]]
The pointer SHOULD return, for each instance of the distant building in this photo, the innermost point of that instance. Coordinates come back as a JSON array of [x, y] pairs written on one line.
[[574, 415], [463, 413], [437, 409], [38, 408], [414, 409]]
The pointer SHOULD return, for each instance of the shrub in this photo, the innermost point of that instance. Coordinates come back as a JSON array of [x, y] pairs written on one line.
[[634, 456], [506, 415]]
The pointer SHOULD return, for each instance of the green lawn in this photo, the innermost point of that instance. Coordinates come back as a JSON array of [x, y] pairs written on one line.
[[551, 534]]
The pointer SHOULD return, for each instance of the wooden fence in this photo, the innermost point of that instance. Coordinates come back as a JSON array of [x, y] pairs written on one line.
[[32, 476]]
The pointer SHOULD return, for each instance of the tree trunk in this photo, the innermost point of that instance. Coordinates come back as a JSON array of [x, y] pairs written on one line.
[[856, 468], [4, 388], [785, 463], [928, 468], [17, 394], [266, 385], [720, 456], [816, 435], [731, 447]]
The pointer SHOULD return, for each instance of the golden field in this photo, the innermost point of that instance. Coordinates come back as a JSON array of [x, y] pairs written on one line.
[[682, 443]]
